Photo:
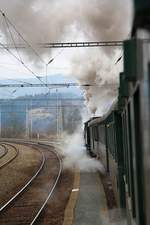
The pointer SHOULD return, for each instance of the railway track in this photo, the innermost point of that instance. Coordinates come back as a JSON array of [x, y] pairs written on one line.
[[27, 204], [3, 151], [10, 153]]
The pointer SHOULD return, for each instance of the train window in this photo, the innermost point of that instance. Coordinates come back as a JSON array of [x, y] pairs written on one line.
[[115, 145], [95, 133], [138, 156], [110, 137], [125, 147], [101, 130], [100, 133], [131, 162], [92, 136]]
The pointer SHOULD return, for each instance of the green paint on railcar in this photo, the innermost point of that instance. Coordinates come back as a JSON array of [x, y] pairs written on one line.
[[124, 87], [133, 59], [141, 6], [120, 155]]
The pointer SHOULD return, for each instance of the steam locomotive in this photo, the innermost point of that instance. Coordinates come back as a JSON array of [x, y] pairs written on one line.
[[121, 138]]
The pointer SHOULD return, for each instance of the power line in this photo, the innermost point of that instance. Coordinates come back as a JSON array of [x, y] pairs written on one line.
[[52, 85], [11, 35], [11, 53], [19, 60], [21, 36], [20, 81], [6, 47]]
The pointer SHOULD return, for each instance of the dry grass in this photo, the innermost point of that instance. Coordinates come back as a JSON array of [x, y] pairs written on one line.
[[18, 172]]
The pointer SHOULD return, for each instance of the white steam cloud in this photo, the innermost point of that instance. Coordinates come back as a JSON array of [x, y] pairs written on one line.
[[69, 20], [75, 155]]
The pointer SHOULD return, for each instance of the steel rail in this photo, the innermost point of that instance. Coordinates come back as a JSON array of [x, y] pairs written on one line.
[[52, 189], [5, 151], [26, 185], [12, 158]]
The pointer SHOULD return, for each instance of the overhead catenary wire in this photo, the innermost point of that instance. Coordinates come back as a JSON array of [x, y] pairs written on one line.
[[21, 36], [8, 23], [11, 35], [13, 70], [11, 53], [19, 60], [29, 45], [3, 18], [20, 81]]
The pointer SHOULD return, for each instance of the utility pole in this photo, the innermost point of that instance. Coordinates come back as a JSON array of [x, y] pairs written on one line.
[[60, 119], [27, 121], [57, 116], [0, 122], [31, 119]]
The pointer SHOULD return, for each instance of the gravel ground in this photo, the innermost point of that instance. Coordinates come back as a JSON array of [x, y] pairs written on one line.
[[18, 172], [2, 151], [11, 154], [53, 214], [23, 209]]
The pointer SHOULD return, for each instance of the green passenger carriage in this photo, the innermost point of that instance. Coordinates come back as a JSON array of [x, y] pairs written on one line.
[[121, 138]]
